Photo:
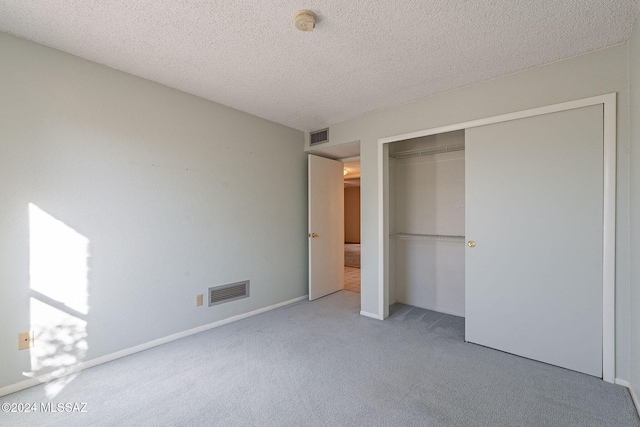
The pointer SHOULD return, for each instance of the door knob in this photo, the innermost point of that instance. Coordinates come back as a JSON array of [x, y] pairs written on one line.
[[471, 244], [313, 235]]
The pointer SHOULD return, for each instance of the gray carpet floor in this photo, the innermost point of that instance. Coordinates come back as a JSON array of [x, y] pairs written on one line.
[[322, 364]]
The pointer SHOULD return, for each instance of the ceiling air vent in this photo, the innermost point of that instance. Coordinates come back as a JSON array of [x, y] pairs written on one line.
[[226, 293], [319, 136]]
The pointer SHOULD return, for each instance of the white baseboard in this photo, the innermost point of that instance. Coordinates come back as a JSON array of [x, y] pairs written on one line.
[[634, 396], [622, 382], [138, 348], [373, 316]]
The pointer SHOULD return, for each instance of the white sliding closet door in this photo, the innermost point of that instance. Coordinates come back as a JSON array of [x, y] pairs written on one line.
[[534, 208]]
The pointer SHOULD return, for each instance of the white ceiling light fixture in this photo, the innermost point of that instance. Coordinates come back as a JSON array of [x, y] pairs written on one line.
[[305, 20]]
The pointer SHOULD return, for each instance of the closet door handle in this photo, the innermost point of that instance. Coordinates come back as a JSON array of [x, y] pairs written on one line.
[[471, 244], [313, 235]]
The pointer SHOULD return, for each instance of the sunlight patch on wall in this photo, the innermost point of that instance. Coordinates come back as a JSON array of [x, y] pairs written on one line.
[[58, 260], [59, 304]]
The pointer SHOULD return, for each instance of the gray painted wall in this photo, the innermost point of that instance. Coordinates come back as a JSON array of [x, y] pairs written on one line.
[[596, 73], [634, 80], [161, 194]]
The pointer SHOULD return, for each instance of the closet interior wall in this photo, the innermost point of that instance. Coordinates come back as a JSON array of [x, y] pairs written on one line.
[[426, 222]]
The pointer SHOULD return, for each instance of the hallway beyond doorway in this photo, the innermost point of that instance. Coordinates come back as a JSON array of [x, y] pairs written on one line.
[[352, 267], [351, 279]]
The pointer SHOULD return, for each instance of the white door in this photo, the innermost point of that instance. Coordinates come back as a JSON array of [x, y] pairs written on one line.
[[534, 208], [326, 226]]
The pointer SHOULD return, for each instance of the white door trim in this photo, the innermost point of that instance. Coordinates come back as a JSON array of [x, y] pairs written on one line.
[[609, 209]]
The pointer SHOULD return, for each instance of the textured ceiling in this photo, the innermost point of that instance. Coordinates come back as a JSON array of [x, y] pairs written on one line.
[[362, 56]]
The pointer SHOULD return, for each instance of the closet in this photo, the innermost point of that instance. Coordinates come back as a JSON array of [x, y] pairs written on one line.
[[509, 222], [426, 222]]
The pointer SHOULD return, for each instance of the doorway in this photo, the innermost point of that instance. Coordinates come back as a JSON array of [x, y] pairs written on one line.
[[326, 179], [352, 225]]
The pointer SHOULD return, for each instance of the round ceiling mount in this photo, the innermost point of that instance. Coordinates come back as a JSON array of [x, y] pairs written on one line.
[[305, 20]]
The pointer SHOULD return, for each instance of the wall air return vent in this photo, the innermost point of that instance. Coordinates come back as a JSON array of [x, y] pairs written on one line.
[[226, 293], [319, 136]]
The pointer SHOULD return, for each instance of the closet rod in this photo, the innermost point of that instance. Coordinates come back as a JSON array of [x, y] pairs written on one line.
[[428, 237], [428, 151]]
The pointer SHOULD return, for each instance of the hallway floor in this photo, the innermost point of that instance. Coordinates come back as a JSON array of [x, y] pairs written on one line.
[[351, 279]]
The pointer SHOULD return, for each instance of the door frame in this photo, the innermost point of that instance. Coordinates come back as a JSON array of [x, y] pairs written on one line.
[[609, 102]]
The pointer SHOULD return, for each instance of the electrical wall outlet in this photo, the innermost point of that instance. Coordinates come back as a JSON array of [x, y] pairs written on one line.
[[25, 340], [199, 299]]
